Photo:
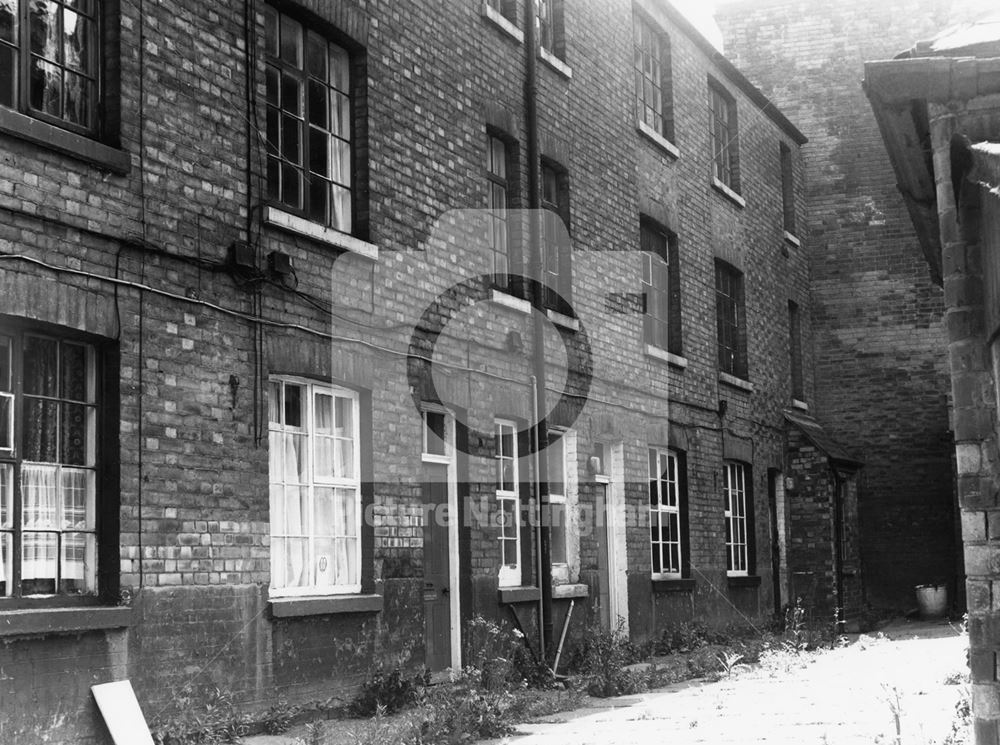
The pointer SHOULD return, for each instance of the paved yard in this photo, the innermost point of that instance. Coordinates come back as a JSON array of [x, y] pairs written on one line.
[[840, 697]]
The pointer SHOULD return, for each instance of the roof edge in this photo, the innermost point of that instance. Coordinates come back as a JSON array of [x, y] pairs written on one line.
[[733, 74]]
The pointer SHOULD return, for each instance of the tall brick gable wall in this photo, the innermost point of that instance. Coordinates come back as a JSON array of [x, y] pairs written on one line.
[[881, 373]]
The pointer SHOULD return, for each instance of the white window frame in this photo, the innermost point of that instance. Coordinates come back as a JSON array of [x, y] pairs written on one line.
[[312, 388], [566, 448], [737, 551], [668, 506], [448, 455], [509, 573]]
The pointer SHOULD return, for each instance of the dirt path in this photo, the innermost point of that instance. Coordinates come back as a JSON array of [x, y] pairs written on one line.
[[846, 696]]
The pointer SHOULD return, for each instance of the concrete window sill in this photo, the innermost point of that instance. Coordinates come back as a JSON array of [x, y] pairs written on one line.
[[734, 382], [673, 585], [565, 592], [510, 301], [802, 405], [792, 239], [675, 360], [320, 233], [324, 606], [659, 140], [54, 621], [555, 63], [559, 319], [495, 17], [737, 581], [74, 145], [728, 193], [514, 595]]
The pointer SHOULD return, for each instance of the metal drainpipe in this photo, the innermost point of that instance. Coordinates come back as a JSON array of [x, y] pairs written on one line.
[[538, 300]]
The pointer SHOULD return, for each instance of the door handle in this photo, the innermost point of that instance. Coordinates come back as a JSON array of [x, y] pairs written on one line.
[[444, 590]]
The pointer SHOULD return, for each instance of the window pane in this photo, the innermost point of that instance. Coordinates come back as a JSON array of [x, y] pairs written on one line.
[[273, 136], [319, 199], [6, 564], [345, 417], [323, 413], [77, 105], [291, 186], [318, 108], [296, 465], [325, 457], [293, 406], [78, 565], [73, 372], [7, 72], [296, 558], [340, 208], [434, 435], [326, 560], [40, 430], [347, 561], [77, 41], [291, 95], [339, 68], [343, 465], [6, 421], [38, 563], [274, 402], [271, 76], [297, 515], [316, 55], [291, 138], [270, 30], [40, 366], [555, 454], [39, 495], [557, 544], [77, 499], [46, 87], [323, 512], [319, 153], [77, 436], [341, 162], [340, 115], [291, 41], [8, 21], [6, 495], [44, 25]]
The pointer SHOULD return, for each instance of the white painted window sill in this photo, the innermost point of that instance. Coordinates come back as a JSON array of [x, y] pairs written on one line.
[[555, 63], [659, 140], [496, 17], [562, 320], [728, 193], [300, 226], [796, 404], [509, 301], [293, 607], [791, 238], [651, 350], [735, 382]]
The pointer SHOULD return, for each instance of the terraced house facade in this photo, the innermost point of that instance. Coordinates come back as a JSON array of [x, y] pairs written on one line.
[[305, 306]]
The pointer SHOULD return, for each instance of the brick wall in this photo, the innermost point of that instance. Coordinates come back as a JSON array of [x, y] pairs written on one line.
[[880, 370], [194, 514]]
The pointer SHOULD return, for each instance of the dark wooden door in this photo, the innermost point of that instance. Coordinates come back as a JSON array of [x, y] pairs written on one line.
[[437, 592]]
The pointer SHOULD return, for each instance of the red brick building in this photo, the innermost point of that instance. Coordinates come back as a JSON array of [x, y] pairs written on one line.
[[265, 321]]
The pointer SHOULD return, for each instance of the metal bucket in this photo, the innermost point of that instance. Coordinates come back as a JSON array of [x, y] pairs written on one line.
[[932, 601]]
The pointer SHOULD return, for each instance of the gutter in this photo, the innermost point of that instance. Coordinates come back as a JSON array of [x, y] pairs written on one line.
[[540, 428]]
